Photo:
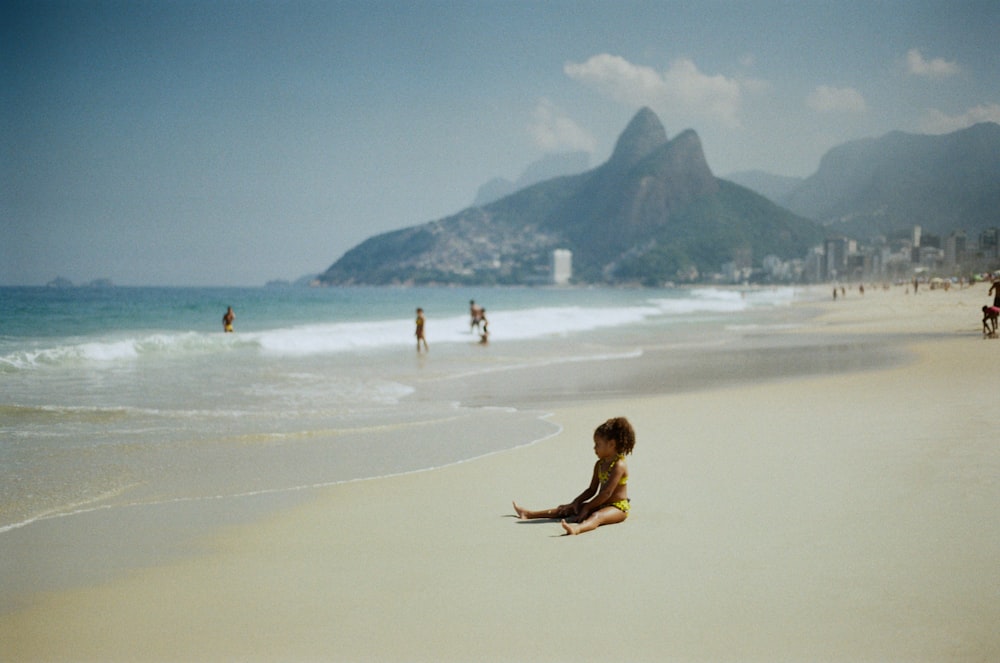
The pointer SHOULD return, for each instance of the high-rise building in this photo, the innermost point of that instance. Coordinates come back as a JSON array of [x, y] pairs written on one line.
[[989, 243], [954, 248], [562, 266], [835, 252]]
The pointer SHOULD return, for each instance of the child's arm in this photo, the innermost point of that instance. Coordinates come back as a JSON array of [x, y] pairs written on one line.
[[609, 488], [574, 507]]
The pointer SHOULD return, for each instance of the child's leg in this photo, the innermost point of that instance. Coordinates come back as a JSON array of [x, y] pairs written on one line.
[[525, 514], [603, 516]]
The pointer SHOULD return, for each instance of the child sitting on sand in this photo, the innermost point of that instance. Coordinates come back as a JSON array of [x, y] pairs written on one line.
[[608, 493]]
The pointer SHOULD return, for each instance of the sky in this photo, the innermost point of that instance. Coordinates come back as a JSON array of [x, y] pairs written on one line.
[[229, 143]]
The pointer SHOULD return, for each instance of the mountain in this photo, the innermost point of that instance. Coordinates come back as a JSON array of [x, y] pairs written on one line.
[[887, 185], [549, 166], [653, 212], [769, 185]]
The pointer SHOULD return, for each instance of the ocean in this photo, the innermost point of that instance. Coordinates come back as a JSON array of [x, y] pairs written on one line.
[[118, 397]]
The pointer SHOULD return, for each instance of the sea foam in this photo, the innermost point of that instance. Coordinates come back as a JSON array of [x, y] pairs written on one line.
[[367, 335]]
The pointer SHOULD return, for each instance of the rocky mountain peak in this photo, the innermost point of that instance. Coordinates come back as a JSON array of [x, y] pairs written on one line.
[[643, 135], [684, 159]]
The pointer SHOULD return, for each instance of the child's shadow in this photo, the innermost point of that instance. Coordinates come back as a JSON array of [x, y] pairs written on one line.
[[530, 521], [537, 521]]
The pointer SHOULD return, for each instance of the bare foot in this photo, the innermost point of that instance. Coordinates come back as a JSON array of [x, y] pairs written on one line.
[[570, 529], [520, 512]]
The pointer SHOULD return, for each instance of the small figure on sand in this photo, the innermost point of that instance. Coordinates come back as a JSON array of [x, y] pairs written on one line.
[[484, 335], [990, 315], [605, 501], [420, 330], [475, 315], [227, 320]]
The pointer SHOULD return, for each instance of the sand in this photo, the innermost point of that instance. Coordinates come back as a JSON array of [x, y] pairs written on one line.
[[830, 517]]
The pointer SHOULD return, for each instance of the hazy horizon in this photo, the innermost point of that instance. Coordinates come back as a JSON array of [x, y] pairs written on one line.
[[230, 144]]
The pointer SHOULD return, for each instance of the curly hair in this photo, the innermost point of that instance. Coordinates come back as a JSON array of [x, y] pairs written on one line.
[[619, 430]]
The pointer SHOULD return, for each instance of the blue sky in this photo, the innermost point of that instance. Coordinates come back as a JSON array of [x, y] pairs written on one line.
[[229, 143]]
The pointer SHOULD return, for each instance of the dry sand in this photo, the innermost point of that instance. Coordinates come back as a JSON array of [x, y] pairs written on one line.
[[852, 517]]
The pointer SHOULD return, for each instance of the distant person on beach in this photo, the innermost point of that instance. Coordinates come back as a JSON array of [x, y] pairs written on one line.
[[475, 315], [995, 291], [484, 336], [227, 320], [420, 330], [990, 315], [605, 501]]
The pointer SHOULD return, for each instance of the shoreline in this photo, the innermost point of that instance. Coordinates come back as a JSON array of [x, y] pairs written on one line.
[[530, 391], [831, 516], [133, 418]]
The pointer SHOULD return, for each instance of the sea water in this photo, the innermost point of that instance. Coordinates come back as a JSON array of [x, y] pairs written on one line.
[[115, 397]]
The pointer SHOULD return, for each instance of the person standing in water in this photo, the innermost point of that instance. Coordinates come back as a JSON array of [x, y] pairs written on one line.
[[475, 315], [227, 320], [420, 330], [484, 335]]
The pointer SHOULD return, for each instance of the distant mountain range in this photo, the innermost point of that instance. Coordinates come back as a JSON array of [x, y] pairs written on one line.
[[654, 212], [549, 166], [887, 185], [769, 185]]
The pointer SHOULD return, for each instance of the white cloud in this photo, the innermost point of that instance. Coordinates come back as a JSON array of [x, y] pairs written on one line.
[[554, 131], [755, 85], [681, 91], [829, 99], [936, 68], [936, 122]]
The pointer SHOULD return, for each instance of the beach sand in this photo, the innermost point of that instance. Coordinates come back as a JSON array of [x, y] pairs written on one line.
[[827, 517]]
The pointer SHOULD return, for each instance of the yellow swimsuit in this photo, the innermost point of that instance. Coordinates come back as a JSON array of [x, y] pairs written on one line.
[[604, 475]]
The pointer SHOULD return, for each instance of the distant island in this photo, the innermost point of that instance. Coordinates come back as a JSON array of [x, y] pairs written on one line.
[[62, 282]]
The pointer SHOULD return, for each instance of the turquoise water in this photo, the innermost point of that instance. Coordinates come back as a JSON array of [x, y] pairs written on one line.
[[126, 396]]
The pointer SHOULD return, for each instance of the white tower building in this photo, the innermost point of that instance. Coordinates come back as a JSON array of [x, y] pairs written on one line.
[[562, 266]]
